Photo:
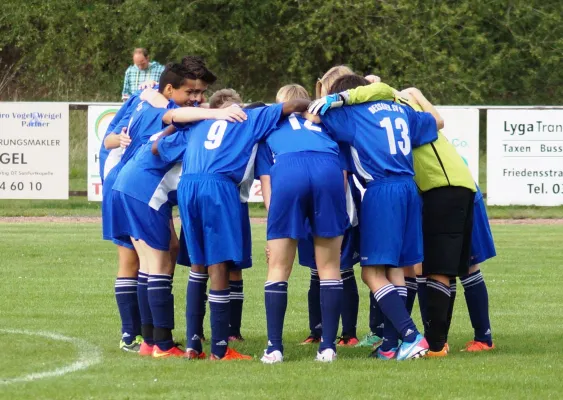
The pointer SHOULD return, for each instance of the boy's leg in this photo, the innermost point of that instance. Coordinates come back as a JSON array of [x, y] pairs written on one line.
[[314, 306], [477, 299], [327, 255], [350, 305], [237, 300], [219, 301], [196, 295], [126, 287], [282, 255], [412, 287], [421, 292]]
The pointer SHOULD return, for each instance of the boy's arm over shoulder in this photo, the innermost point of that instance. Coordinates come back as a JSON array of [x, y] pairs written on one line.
[[171, 148], [340, 124], [374, 92], [422, 126]]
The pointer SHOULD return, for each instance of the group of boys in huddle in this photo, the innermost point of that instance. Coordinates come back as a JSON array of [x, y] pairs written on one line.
[[420, 223]]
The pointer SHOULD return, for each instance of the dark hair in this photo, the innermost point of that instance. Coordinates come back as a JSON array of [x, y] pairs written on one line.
[[141, 50], [346, 82], [198, 69], [175, 75], [256, 104]]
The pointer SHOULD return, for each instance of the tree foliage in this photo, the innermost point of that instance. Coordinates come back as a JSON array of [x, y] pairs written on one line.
[[459, 52]]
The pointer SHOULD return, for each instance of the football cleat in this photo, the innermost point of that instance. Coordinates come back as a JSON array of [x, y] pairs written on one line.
[[146, 349], [438, 354], [347, 341], [311, 340], [447, 347], [174, 351], [132, 347], [192, 354], [231, 354], [474, 346], [384, 355], [370, 340], [236, 338], [327, 355], [415, 349], [274, 357]]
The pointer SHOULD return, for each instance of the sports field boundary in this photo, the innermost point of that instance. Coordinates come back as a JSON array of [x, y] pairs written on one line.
[[98, 220]]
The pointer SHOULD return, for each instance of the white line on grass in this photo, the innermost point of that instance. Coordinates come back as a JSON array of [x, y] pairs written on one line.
[[88, 355]]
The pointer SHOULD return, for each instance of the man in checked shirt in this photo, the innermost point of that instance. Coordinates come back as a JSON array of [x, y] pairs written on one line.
[[143, 70]]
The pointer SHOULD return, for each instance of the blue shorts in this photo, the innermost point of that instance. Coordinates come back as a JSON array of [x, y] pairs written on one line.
[[133, 218], [184, 257], [211, 218], [307, 186], [391, 223], [107, 195], [349, 255], [482, 244]]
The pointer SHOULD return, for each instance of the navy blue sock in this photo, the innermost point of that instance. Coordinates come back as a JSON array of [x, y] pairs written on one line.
[[219, 301], [350, 303], [422, 299], [376, 317], [412, 288], [394, 309], [453, 292], [127, 303], [331, 308], [275, 295], [145, 309], [390, 334], [439, 301], [195, 309], [161, 301], [314, 302], [237, 300], [477, 299]]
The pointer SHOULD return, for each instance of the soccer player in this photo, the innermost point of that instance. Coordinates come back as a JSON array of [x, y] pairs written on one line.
[[218, 157], [176, 83], [381, 135], [448, 192], [306, 184]]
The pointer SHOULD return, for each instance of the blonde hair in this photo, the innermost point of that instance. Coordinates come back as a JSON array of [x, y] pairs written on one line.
[[324, 84], [221, 97], [292, 92]]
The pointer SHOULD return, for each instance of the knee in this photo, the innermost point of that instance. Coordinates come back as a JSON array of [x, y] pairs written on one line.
[[235, 275]]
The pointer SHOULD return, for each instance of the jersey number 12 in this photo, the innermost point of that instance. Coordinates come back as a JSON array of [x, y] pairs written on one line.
[[400, 124]]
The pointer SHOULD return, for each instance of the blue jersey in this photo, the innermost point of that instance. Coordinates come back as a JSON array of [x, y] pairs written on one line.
[[150, 179], [381, 135], [145, 121], [119, 121], [225, 148], [297, 134]]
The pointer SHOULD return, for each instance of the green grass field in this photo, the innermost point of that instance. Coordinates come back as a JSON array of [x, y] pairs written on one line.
[[58, 279]]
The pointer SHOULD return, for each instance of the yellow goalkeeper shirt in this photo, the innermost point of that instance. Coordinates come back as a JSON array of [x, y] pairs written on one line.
[[436, 164]]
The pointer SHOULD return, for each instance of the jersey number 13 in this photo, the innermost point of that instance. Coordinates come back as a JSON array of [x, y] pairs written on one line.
[[403, 127]]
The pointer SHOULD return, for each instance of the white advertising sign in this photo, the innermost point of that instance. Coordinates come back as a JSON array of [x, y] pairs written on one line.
[[99, 118], [461, 129], [34, 150], [525, 157]]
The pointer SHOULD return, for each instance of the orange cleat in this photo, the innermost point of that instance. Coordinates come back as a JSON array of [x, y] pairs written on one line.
[[146, 349], [192, 354], [447, 347], [475, 346], [173, 352], [231, 354], [438, 354], [347, 341], [311, 340]]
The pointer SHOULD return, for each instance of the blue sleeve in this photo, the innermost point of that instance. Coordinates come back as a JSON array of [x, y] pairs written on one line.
[[345, 157], [171, 148], [265, 119], [422, 126], [339, 125], [124, 121], [264, 161]]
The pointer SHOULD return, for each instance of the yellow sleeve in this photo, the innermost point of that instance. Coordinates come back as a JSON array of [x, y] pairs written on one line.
[[373, 92]]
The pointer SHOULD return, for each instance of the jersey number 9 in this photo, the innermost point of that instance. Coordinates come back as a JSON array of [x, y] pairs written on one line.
[[215, 135], [400, 124]]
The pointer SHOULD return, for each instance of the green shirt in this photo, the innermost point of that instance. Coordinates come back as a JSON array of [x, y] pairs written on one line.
[[436, 164]]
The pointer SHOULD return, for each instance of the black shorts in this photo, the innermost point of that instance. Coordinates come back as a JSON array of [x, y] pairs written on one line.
[[447, 223]]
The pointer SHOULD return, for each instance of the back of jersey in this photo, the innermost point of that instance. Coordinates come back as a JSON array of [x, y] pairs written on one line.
[[145, 121], [296, 134], [228, 148], [381, 135]]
